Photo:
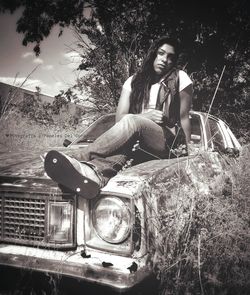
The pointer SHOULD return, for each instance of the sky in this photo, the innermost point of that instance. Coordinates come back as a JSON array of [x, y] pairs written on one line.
[[55, 65]]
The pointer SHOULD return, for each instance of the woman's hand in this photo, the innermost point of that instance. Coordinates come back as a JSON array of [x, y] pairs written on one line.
[[154, 115]]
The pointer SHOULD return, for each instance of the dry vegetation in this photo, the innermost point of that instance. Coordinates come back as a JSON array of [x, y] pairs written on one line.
[[204, 245], [20, 133], [29, 123]]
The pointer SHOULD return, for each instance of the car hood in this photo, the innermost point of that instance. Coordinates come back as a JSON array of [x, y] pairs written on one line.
[[27, 168], [198, 169], [31, 164], [24, 163], [133, 179]]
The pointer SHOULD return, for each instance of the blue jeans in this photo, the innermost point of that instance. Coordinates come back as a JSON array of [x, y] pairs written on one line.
[[109, 152]]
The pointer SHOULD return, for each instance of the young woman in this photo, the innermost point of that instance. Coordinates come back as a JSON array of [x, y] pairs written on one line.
[[153, 108]]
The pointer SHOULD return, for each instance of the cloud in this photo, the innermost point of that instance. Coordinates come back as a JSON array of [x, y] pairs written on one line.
[[59, 85], [38, 61], [27, 54], [72, 55], [48, 67], [73, 59]]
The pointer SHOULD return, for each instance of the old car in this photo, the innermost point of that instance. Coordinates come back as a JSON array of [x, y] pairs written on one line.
[[105, 240]]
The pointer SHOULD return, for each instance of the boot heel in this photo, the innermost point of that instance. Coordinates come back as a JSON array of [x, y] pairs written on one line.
[[59, 168]]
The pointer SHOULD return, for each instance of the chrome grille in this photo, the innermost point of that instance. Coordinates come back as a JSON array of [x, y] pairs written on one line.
[[23, 219]]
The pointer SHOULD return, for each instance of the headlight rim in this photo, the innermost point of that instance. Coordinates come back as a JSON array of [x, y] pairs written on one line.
[[129, 227]]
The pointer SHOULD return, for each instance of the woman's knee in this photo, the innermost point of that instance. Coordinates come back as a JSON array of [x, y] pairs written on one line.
[[128, 117], [132, 121], [135, 118]]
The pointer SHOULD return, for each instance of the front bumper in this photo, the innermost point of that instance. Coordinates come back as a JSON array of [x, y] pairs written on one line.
[[71, 264]]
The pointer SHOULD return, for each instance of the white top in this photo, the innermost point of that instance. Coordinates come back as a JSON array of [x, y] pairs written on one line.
[[184, 81]]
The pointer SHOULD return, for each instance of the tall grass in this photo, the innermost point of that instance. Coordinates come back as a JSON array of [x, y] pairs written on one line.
[[204, 241], [20, 133]]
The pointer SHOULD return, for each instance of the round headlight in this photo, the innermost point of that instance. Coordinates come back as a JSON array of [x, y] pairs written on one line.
[[112, 219]]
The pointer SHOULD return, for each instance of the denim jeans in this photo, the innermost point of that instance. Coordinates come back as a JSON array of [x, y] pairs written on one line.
[[109, 152]]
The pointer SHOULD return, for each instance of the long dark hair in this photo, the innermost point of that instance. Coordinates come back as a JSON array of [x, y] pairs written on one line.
[[144, 78]]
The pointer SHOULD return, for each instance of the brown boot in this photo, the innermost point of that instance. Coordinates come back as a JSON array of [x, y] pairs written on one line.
[[72, 174]]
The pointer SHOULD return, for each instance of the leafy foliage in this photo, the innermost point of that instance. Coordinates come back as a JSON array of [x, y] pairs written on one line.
[[39, 17], [32, 107], [114, 36], [212, 35]]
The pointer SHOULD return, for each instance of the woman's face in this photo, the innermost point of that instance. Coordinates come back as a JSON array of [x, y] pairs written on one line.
[[164, 61]]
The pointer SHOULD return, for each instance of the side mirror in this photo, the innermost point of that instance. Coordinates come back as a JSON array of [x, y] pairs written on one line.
[[66, 142], [232, 152]]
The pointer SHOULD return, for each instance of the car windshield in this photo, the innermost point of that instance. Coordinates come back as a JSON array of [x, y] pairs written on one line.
[[96, 129], [216, 135], [105, 122], [195, 130]]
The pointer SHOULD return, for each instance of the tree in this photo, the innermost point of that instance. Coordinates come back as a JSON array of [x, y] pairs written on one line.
[[39, 17], [212, 34]]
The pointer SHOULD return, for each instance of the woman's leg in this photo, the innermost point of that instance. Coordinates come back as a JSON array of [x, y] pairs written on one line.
[[120, 139], [107, 155]]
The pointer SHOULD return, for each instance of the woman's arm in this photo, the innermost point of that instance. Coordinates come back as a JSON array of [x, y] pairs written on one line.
[[123, 105], [185, 106], [123, 109]]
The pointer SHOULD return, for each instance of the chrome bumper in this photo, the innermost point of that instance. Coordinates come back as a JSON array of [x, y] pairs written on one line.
[[71, 264]]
